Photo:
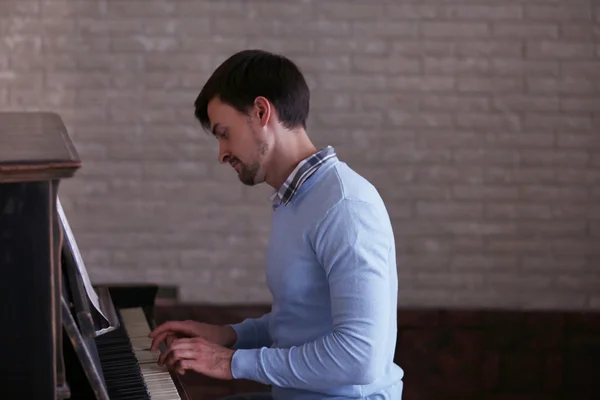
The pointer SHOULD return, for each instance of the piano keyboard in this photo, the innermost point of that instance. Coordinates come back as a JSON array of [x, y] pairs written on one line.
[[158, 380], [129, 367]]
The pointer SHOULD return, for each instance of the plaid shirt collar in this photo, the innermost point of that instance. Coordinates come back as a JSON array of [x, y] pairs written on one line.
[[301, 173]]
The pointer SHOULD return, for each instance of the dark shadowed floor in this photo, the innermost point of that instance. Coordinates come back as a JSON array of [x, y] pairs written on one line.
[[451, 355]]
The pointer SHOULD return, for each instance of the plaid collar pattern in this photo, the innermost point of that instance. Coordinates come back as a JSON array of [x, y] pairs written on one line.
[[304, 170]]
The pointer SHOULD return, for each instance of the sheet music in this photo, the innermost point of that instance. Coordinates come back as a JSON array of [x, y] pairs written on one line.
[[91, 292]]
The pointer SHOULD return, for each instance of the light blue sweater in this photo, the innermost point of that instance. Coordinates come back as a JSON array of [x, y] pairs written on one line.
[[331, 269]]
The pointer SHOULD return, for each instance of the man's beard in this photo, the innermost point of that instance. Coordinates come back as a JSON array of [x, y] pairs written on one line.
[[248, 173]]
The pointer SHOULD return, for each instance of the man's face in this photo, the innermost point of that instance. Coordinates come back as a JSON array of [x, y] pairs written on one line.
[[241, 140]]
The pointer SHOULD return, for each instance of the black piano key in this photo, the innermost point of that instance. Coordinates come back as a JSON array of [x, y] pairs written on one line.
[[123, 383], [116, 363], [124, 377], [114, 357]]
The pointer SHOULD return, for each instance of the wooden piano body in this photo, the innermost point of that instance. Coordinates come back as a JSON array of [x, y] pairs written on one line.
[[57, 345]]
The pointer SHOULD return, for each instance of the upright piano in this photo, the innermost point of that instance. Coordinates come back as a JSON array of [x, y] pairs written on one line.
[[62, 337]]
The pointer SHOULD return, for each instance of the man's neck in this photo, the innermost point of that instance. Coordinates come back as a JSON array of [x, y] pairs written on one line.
[[290, 149]]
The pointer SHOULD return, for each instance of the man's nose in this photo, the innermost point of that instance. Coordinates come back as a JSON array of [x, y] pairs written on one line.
[[224, 155]]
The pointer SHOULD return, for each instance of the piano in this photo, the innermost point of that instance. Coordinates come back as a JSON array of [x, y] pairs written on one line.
[[62, 337]]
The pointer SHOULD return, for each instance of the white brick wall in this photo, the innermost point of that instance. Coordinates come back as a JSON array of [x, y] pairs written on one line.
[[477, 120]]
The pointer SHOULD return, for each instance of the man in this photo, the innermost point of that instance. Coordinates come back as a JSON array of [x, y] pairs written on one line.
[[330, 265]]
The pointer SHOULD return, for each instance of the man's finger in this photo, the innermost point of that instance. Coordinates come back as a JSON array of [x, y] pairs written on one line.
[[160, 328], [180, 349], [158, 339], [166, 358], [171, 326], [165, 326], [169, 339], [182, 343], [187, 354], [162, 358], [183, 365], [174, 356]]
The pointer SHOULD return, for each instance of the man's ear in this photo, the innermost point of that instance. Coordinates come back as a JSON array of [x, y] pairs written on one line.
[[263, 110]]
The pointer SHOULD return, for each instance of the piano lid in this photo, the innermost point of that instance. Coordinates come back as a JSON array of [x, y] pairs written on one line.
[[35, 146]]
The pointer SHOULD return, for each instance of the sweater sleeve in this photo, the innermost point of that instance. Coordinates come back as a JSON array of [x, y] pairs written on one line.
[[353, 245], [252, 333]]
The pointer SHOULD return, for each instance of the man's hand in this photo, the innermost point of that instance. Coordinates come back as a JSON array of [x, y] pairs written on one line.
[[199, 355], [169, 331]]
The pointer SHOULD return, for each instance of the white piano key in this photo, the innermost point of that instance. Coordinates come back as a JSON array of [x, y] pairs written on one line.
[[157, 379]]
